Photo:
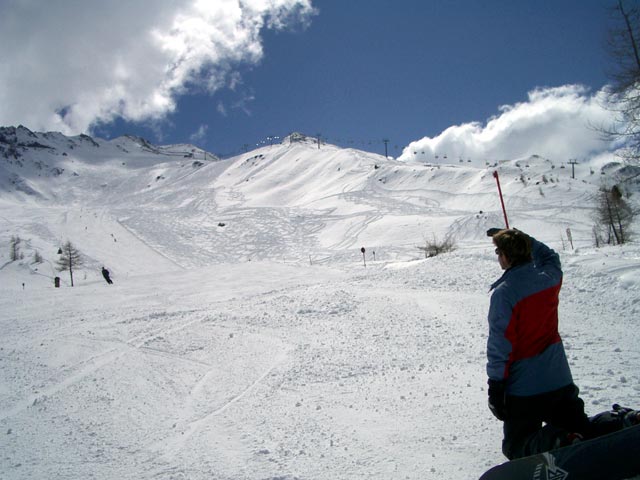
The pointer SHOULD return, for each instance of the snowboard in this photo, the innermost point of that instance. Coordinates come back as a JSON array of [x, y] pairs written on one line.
[[615, 456]]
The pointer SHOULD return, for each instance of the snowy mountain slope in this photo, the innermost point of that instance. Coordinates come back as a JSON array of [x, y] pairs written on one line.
[[220, 352], [291, 201], [60, 169]]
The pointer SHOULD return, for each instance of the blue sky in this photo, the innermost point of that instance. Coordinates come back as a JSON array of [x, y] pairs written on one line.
[[354, 71], [365, 71]]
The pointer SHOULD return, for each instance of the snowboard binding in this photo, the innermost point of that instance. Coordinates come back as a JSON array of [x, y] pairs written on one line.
[[628, 416]]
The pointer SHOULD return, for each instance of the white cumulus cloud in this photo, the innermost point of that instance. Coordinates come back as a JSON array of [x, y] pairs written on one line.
[[72, 65], [557, 123]]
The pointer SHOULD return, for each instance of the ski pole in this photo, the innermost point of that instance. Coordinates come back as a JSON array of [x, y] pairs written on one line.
[[504, 211]]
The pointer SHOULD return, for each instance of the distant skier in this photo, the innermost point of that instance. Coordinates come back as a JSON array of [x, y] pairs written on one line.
[[105, 274], [530, 382]]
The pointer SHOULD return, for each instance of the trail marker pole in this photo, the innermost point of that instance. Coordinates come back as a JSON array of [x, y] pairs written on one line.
[[363, 257], [504, 211], [569, 237]]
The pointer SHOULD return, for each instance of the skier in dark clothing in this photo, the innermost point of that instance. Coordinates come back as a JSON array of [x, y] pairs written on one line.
[[105, 274], [530, 381]]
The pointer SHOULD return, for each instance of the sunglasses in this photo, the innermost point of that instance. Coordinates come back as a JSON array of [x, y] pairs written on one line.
[[498, 251]]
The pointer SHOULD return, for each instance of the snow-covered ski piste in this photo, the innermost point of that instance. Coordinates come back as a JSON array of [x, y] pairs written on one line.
[[244, 338]]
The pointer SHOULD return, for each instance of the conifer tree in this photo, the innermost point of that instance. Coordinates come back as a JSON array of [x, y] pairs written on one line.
[[70, 258], [14, 246], [614, 216]]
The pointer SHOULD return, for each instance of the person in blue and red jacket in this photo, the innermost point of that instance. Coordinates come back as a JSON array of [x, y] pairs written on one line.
[[530, 382]]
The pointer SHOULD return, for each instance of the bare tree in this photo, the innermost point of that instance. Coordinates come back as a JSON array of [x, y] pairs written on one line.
[[70, 258], [613, 217], [624, 91]]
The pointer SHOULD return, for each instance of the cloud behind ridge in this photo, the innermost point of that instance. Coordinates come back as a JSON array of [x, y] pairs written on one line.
[[557, 123]]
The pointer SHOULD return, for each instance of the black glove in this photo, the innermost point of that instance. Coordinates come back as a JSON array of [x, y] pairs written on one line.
[[497, 399], [492, 231]]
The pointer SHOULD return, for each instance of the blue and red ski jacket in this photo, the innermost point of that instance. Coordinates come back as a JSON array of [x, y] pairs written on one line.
[[524, 348]]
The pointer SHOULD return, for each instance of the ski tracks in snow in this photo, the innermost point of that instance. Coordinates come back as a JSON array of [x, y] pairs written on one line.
[[83, 369], [79, 372], [171, 447]]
